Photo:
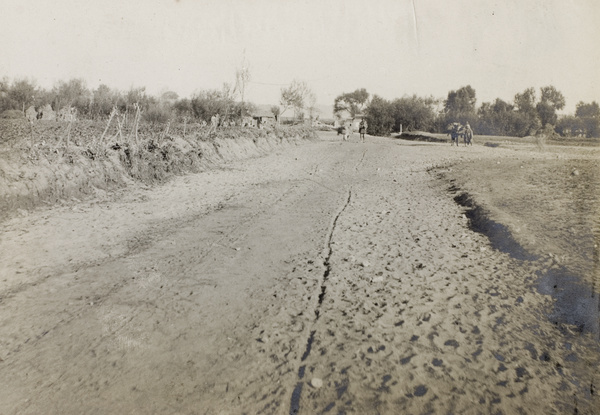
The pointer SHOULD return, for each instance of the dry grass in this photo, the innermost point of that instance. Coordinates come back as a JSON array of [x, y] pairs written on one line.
[[49, 161]]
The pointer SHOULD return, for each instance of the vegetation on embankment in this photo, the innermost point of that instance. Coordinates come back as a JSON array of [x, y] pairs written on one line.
[[46, 162]]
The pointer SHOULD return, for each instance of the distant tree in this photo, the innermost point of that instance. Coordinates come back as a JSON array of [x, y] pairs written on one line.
[[103, 101], [242, 78], [5, 102], [460, 104], [528, 121], [158, 114], [525, 101], [380, 116], [183, 108], [552, 96], [583, 110], [414, 113], [137, 96], [207, 103], [570, 126], [73, 93], [551, 100], [589, 115], [311, 105], [294, 96], [168, 97], [497, 118], [546, 113], [22, 93], [352, 102]]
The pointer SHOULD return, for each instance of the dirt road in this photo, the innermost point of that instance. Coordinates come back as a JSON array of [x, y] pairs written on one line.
[[327, 278]]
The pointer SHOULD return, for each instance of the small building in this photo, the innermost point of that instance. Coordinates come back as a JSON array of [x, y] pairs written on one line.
[[261, 119]]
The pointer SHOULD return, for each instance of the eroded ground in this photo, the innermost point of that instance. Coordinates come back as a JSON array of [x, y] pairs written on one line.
[[329, 278]]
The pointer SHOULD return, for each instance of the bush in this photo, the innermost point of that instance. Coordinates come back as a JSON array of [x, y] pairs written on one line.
[[12, 114], [158, 114]]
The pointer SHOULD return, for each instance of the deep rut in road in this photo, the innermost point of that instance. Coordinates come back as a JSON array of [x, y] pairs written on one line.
[[297, 392]]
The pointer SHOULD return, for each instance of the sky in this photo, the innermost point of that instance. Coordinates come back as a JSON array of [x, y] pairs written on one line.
[[393, 48]]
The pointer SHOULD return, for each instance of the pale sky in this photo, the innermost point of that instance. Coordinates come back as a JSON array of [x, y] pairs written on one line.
[[390, 47]]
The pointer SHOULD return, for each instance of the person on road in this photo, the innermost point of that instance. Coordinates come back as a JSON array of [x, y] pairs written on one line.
[[348, 132], [362, 129], [468, 134]]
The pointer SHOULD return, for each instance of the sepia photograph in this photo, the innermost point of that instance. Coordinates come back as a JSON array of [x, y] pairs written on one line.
[[348, 207]]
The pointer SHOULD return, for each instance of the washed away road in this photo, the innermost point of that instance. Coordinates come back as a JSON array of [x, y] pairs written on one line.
[[324, 278]]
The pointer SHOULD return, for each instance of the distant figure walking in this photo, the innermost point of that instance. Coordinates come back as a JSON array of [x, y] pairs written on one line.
[[468, 134], [348, 131], [362, 129], [455, 131], [214, 123]]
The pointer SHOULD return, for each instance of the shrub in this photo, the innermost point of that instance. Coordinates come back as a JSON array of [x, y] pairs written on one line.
[[158, 114], [12, 114]]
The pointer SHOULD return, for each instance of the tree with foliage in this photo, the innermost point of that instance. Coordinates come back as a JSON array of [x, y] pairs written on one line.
[[21, 94], [460, 104], [528, 121], [570, 126], [353, 103], [552, 96], [73, 93], [525, 101], [183, 108], [168, 97], [497, 118], [137, 96], [205, 104], [414, 113], [380, 116], [583, 110], [551, 100], [589, 116], [103, 101]]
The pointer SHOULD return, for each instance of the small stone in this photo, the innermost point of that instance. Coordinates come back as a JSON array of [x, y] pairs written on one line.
[[378, 279], [365, 264], [316, 383]]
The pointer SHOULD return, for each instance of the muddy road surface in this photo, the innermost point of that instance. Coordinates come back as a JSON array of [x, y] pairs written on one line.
[[330, 277]]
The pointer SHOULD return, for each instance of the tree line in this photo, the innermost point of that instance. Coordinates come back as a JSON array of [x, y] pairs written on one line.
[[526, 115], [228, 102], [21, 94]]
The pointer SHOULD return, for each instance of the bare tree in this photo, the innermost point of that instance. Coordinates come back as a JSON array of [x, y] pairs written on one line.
[[295, 96], [242, 78]]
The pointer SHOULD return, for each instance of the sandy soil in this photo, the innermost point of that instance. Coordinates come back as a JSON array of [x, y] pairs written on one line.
[[327, 278]]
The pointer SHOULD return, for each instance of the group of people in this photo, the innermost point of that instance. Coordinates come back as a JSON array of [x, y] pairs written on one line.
[[458, 130], [347, 130], [455, 131]]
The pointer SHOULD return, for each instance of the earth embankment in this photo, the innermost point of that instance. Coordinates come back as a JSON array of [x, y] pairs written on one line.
[[50, 162]]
